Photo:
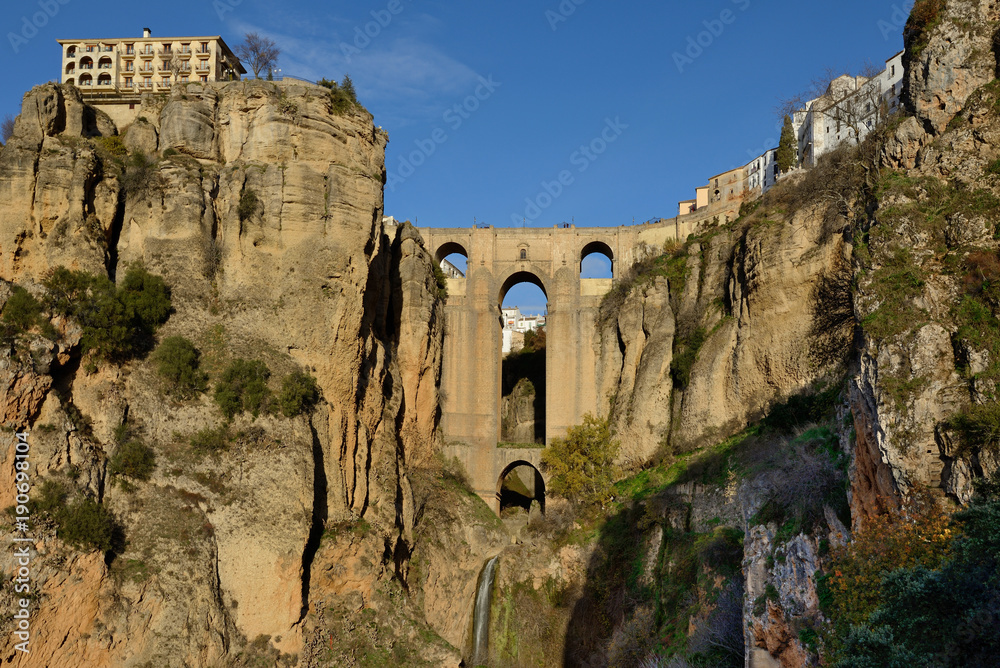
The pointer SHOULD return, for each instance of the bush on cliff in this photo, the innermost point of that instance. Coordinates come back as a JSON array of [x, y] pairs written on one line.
[[582, 465], [940, 605], [299, 393], [22, 313], [243, 388], [177, 362], [118, 321]]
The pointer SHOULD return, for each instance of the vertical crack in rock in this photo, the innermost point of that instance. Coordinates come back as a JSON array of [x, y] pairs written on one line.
[[319, 515], [114, 234]]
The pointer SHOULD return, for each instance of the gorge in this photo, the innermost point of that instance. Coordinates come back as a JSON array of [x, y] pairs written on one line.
[[781, 386]]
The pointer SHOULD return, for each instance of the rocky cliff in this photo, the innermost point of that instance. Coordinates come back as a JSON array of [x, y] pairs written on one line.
[[260, 205]]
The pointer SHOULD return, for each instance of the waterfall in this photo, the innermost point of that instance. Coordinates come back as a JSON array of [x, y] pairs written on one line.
[[481, 616]]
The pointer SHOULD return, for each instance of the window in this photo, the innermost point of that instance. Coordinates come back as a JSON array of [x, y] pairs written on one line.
[[130, 49], [204, 47], [147, 82], [184, 79], [204, 78], [524, 254], [90, 48], [128, 82], [892, 71], [166, 48], [129, 66], [71, 52]]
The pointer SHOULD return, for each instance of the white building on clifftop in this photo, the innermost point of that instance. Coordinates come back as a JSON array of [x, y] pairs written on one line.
[[118, 71]]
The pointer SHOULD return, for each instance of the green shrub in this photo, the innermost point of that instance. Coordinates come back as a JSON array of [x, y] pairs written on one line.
[[582, 465], [133, 459], [113, 146], [978, 427], [51, 498], [299, 393], [249, 204], [118, 322], [442, 282], [243, 387], [177, 362], [85, 523], [211, 440], [341, 100], [23, 312]]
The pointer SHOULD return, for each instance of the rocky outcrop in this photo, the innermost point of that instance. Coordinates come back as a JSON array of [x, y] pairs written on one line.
[[517, 413], [263, 214], [950, 52], [752, 298]]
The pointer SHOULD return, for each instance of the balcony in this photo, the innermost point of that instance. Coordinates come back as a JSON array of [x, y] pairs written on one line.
[[164, 68], [147, 54], [129, 54], [163, 86], [204, 67]]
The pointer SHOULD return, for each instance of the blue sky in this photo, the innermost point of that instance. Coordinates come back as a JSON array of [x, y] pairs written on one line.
[[488, 103]]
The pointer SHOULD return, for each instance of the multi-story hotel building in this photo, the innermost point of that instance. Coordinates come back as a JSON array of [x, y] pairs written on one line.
[[114, 67]]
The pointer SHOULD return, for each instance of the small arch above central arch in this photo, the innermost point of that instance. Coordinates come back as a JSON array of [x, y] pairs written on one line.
[[598, 248], [450, 248], [520, 277]]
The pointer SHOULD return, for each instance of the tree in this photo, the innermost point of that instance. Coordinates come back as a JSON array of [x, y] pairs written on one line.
[[6, 128], [788, 152], [259, 52], [583, 464], [348, 87]]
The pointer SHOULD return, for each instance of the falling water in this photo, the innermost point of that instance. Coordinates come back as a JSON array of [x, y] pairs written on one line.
[[481, 617]]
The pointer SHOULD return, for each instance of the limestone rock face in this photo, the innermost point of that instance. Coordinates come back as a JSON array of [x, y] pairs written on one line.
[[754, 292], [636, 351], [517, 414], [265, 220], [948, 60]]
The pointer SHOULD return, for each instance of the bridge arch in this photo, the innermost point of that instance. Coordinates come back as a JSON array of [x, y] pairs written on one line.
[[598, 248], [520, 276], [534, 489], [450, 248]]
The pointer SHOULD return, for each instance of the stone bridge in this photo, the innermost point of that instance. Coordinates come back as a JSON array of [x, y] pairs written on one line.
[[498, 259]]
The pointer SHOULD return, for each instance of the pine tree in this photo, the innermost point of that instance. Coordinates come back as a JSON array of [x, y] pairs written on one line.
[[348, 87], [787, 149]]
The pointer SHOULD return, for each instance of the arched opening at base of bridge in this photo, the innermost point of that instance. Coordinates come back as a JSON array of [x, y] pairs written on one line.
[[524, 304], [520, 485]]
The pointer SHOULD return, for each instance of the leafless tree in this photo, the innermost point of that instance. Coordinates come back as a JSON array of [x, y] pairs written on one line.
[[723, 630], [6, 128], [259, 52]]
